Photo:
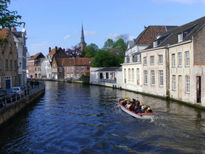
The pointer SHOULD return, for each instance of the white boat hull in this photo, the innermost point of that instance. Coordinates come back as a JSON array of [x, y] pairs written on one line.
[[137, 115]]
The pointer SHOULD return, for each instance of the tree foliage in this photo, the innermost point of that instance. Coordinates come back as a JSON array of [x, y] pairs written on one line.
[[120, 44], [8, 19], [112, 53], [108, 44], [104, 58], [91, 50]]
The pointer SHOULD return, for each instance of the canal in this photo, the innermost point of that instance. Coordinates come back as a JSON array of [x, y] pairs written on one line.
[[75, 118]]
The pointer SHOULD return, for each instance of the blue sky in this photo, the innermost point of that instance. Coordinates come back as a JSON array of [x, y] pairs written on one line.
[[51, 23]]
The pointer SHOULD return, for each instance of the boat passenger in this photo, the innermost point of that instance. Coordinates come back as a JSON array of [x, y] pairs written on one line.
[[128, 105], [138, 110], [149, 110], [124, 102]]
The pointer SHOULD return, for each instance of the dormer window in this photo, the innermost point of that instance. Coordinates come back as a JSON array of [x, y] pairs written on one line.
[[180, 37], [155, 43]]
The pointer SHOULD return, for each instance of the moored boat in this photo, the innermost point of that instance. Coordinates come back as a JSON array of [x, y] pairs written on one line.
[[137, 115]]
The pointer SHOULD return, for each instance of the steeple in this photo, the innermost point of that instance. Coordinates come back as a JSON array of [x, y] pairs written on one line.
[[82, 43], [82, 35]]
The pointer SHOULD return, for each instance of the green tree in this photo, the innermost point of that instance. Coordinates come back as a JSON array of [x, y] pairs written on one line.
[[108, 44], [8, 19], [104, 58], [120, 44], [91, 50]]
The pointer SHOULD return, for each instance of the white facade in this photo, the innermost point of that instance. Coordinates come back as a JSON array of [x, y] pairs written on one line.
[[46, 70], [154, 72], [132, 68], [20, 40], [110, 78]]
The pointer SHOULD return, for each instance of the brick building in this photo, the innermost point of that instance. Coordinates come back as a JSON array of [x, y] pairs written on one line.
[[34, 65], [65, 68], [8, 60]]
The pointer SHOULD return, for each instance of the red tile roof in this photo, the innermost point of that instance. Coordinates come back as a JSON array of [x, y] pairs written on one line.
[[36, 56], [62, 62], [150, 34]]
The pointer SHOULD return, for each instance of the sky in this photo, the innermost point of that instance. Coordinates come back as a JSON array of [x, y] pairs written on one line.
[[51, 23]]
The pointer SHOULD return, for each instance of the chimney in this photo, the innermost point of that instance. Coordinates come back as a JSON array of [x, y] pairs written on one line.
[[49, 49], [14, 29], [56, 48], [145, 27]]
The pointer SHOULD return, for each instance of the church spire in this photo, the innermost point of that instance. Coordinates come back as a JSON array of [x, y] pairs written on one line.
[[82, 43], [82, 35]]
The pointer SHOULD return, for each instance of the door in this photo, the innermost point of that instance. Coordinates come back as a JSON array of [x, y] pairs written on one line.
[[8, 84], [198, 89], [180, 87]]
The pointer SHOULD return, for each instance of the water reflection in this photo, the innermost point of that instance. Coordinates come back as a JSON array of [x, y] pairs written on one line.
[[74, 118]]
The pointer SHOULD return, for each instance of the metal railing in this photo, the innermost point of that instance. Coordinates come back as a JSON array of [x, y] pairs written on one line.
[[14, 98]]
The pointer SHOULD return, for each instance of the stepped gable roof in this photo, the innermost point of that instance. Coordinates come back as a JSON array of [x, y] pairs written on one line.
[[58, 52], [53, 51], [188, 30], [110, 69], [150, 33], [61, 62], [36, 56]]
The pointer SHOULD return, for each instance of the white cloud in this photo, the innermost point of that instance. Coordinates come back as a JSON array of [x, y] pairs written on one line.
[[66, 37], [88, 33], [116, 36], [38, 47]]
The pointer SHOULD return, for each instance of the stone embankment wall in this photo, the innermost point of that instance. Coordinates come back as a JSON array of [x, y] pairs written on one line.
[[11, 109]]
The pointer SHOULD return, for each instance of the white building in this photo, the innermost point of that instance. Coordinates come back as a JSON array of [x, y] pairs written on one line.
[[106, 76], [20, 40], [175, 64], [132, 66]]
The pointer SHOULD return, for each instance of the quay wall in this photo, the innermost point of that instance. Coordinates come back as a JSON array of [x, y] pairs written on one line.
[[12, 109]]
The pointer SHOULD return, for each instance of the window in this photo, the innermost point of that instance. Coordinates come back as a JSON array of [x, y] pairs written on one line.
[[160, 59], [82, 68], [11, 63], [180, 37], [187, 59], [133, 74], [6, 64], [101, 76], [161, 78], [145, 60], [124, 75], [155, 43], [152, 77], [10, 48], [129, 74], [128, 59], [107, 75], [145, 77], [138, 76], [187, 84], [173, 82], [173, 60], [179, 59], [151, 60]]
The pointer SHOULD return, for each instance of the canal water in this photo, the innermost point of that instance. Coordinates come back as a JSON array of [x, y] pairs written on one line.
[[75, 118]]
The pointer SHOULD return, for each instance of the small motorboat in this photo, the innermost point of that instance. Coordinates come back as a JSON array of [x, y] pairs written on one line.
[[137, 115]]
